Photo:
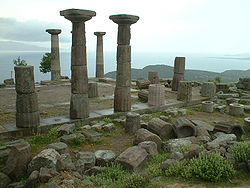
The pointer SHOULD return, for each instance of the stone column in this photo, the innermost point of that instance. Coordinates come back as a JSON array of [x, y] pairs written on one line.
[[156, 95], [79, 103], [122, 100], [27, 113], [184, 91], [99, 55], [179, 69], [153, 77], [55, 56]]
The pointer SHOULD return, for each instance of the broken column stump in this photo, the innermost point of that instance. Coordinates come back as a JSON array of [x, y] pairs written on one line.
[[153, 77], [207, 106], [92, 89], [161, 128], [156, 95], [184, 128], [132, 123], [208, 89], [27, 113], [142, 83], [184, 91], [143, 95], [236, 109], [179, 69]]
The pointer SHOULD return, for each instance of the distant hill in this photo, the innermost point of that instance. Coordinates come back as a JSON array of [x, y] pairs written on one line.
[[165, 71]]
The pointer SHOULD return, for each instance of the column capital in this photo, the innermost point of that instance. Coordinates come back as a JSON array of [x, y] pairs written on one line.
[[54, 31], [124, 19], [77, 15], [99, 33]]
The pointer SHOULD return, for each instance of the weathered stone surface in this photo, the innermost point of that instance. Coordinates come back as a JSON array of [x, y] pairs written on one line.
[[99, 55], [24, 77], [142, 135], [92, 135], [227, 95], [201, 131], [92, 90], [132, 123], [104, 157], [79, 106], [46, 158], [177, 156], [60, 147], [142, 83], [4, 153], [70, 137], [176, 80], [224, 87], [161, 128], [229, 128], [17, 166], [88, 158], [156, 95], [65, 163], [150, 147], [194, 151], [94, 170], [143, 95], [66, 129], [208, 89], [221, 139], [79, 85], [179, 69], [184, 91], [108, 127], [153, 77], [176, 144], [166, 164], [4, 180], [133, 158], [184, 128], [246, 124], [122, 99], [26, 120], [204, 124], [26, 103], [207, 106], [55, 56], [44, 175], [33, 180], [236, 109]]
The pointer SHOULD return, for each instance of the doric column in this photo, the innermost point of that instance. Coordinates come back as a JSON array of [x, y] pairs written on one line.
[[179, 69], [27, 113], [122, 100], [99, 55], [79, 103], [55, 56]]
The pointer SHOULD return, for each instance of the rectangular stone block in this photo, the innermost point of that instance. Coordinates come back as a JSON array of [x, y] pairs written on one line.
[[79, 79], [123, 76], [25, 120], [24, 78], [26, 103], [156, 95], [184, 91], [79, 106], [122, 100], [123, 53]]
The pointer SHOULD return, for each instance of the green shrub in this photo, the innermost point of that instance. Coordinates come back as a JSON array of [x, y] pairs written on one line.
[[241, 152], [153, 166], [209, 167], [134, 181], [107, 120]]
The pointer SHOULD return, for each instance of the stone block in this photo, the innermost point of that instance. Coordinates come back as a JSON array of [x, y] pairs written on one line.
[[153, 77], [104, 157], [142, 83], [92, 135], [208, 89], [132, 123], [150, 147], [79, 106], [184, 128], [161, 128], [88, 158], [66, 128], [133, 158], [60, 147], [156, 95], [184, 91]]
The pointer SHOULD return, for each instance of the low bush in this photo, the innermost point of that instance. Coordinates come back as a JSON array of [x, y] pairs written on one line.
[[209, 167], [241, 152]]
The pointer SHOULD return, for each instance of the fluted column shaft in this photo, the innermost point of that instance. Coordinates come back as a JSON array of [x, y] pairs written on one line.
[[99, 55], [179, 69]]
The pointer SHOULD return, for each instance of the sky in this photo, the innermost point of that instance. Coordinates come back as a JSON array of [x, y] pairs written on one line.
[[189, 26]]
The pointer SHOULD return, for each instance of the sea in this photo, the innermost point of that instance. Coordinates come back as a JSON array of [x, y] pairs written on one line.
[[207, 62]]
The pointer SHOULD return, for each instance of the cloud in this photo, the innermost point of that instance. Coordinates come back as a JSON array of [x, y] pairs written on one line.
[[27, 31]]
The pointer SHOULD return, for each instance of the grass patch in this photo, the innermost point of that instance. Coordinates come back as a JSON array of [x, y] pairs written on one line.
[[116, 176], [107, 120], [153, 166], [77, 142], [154, 115]]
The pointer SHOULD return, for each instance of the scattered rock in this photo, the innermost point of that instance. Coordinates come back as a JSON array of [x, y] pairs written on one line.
[[104, 157], [108, 126], [184, 128], [204, 124], [150, 147], [60, 147], [44, 175], [4, 180], [166, 164], [88, 158], [94, 170], [65, 163], [33, 180], [142, 135], [176, 144], [92, 135], [194, 151], [161, 128], [177, 156], [133, 158], [86, 127], [70, 137], [66, 129]]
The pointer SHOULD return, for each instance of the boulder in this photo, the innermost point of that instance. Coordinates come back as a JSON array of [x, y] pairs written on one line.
[[88, 158], [142, 135], [70, 137], [166, 164], [150, 147], [184, 128], [132, 123], [60, 147], [66, 129], [194, 151], [17, 166], [104, 157], [92, 135], [46, 158], [45, 174], [175, 144], [133, 158], [221, 139], [177, 156], [65, 163], [4, 180], [33, 180]]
